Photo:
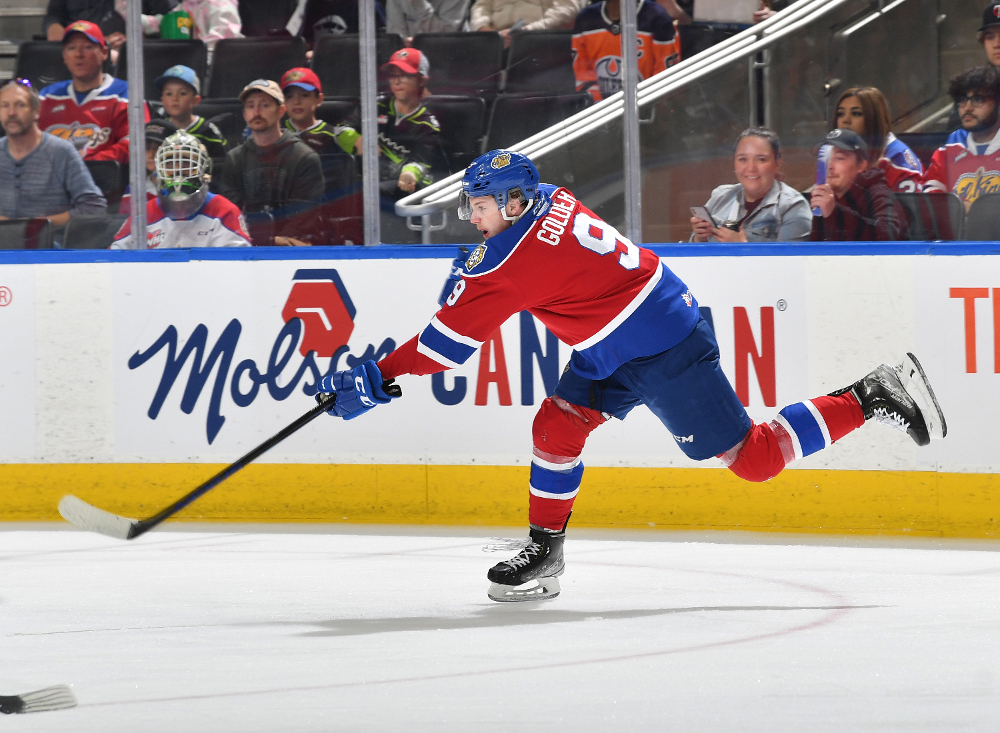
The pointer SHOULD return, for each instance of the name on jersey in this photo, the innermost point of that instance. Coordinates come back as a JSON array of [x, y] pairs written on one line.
[[555, 222], [970, 186]]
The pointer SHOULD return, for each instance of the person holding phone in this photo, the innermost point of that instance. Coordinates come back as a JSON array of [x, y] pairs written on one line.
[[759, 207]]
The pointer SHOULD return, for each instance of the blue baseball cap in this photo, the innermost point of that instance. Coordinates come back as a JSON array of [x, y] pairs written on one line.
[[179, 73]]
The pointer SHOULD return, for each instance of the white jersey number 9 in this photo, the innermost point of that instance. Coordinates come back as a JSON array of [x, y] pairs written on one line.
[[584, 228]]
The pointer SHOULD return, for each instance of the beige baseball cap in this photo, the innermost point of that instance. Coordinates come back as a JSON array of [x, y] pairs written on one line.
[[267, 86]]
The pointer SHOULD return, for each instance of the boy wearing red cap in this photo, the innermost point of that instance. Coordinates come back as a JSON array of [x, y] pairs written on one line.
[[303, 95], [408, 134], [91, 109]]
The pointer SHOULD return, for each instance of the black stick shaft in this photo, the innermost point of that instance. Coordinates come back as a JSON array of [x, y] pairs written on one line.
[[147, 524]]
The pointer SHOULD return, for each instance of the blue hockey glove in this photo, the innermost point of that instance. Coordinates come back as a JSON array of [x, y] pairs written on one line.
[[354, 392], [457, 267]]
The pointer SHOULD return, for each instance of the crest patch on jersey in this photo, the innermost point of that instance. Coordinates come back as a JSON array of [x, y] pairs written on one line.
[[970, 186], [500, 161], [911, 159], [476, 257]]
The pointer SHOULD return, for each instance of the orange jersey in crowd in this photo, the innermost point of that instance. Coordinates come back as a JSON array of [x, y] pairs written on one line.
[[597, 62]]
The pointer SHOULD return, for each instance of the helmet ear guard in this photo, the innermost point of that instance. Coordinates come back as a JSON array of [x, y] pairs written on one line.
[[502, 174]]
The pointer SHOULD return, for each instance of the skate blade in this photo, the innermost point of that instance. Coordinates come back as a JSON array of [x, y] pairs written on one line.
[[542, 589], [917, 385]]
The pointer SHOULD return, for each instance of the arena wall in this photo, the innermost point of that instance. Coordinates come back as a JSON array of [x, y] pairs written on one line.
[[128, 378]]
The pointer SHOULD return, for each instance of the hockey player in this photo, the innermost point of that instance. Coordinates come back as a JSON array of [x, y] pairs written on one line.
[[968, 164], [91, 109], [184, 213], [597, 47], [180, 93], [637, 338]]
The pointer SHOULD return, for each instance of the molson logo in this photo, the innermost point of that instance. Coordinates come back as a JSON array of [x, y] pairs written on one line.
[[318, 321], [971, 186]]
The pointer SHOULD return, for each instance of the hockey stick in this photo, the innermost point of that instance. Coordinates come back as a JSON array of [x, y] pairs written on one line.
[[59, 697], [88, 517]]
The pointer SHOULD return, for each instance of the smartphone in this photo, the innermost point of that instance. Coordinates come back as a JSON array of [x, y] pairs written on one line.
[[702, 213]]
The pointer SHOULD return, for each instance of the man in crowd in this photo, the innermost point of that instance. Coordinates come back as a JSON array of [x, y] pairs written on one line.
[[968, 164], [508, 16], [273, 172], [184, 213], [156, 132], [597, 47], [410, 17], [855, 203], [91, 109], [40, 175], [180, 93], [989, 33], [314, 19], [60, 13]]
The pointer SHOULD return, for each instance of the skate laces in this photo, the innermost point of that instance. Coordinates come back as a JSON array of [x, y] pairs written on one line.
[[502, 544], [892, 418], [525, 556]]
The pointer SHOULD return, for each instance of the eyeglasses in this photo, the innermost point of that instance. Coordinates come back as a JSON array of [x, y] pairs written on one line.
[[976, 100], [22, 82]]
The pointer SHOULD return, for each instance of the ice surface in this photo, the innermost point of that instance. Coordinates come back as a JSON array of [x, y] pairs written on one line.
[[251, 631]]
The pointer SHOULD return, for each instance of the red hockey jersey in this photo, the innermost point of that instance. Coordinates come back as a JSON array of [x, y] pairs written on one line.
[[597, 54], [958, 167], [97, 126], [598, 292]]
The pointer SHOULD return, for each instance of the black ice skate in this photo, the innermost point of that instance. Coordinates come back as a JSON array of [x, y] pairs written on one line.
[[902, 397], [537, 564]]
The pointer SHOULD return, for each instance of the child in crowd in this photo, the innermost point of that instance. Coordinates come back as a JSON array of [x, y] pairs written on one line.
[[156, 132], [180, 93], [303, 96]]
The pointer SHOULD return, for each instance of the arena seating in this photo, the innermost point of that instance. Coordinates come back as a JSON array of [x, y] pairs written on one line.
[[933, 216], [541, 62], [25, 234], [91, 232], [462, 120], [515, 117], [463, 63], [337, 64], [238, 61], [335, 110], [159, 55], [982, 223], [41, 63], [110, 178]]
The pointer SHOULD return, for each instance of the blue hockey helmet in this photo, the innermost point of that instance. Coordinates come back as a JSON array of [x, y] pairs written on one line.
[[498, 173]]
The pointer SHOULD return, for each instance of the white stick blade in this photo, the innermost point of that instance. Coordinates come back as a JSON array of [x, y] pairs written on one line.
[[92, 519]]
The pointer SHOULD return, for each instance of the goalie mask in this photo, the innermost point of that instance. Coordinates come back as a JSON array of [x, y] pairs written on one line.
[[183, 170]]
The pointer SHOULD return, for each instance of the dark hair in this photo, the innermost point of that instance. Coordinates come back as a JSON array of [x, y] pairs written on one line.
[[764, 134], [878, 124], [981, 79]]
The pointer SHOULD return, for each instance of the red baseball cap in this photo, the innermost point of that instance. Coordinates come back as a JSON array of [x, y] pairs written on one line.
[[301, 77], [90, 30], [409, 61]]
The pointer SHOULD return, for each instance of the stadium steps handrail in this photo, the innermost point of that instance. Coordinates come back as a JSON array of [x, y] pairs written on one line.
[[758, 37]]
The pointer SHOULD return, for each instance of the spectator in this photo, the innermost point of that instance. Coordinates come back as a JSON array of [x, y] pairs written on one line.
[[506, 16], [597, 55], [410, 17], [769, 8], [40, 175], [91, 109], [180, 93], [184, 213], [273, 172], [759, 207], [409, 135], [315, 18], [989, 33], [303, 96], [866, 111], [60, 13], [968, 164], [212, 20], [156, 132], [855, 203]]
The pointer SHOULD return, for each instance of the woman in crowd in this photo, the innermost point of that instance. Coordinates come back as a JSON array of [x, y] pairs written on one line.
[[758, 207], [866, 111]]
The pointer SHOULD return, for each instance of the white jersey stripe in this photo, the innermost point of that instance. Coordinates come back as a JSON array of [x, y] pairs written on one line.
[[820, 421], [454, 335], [422, 348], [556, 467], [780, 419], [621, 317], [547, 495]]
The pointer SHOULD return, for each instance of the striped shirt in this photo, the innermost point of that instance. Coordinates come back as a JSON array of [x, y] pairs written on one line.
[[49, 180]]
